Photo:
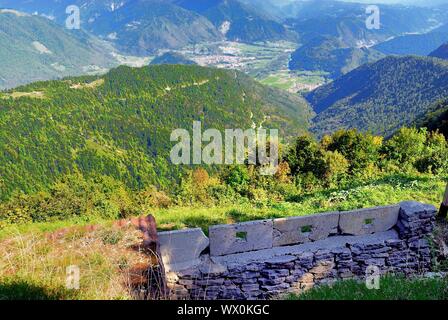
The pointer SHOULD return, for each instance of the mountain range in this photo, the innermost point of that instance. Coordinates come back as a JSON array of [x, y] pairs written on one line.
[[241, 22], [415, 44], [370, 90], [34, 48], [140, 27]]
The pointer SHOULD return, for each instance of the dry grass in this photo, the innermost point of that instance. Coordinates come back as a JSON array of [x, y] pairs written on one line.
[[89, 85], [16, 95], [36, 263], [440, 249]]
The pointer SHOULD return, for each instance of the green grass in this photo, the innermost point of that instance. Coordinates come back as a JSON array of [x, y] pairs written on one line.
[[292, 80], [391, 288], [13, 289], [386, 190], [32, 264]]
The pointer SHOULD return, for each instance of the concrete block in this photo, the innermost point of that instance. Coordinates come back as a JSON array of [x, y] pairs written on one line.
[[240, 237], [412, 211], [181, 249], [368, 221], [295, 230]]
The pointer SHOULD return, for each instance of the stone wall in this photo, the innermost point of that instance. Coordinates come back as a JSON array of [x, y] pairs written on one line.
[[262, 259]]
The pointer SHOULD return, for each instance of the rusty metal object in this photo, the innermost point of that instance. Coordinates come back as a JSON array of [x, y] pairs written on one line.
[[444, 206], [156, 279]]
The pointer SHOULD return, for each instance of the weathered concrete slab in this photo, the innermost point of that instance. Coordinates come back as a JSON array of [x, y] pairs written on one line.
[[240, 237], [295, 230], [331, 243], [370, 220], [181, 249]]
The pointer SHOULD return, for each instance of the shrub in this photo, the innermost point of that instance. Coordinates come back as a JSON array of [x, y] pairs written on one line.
[[153, 198], [435, 154], [361, 150], [72, 195], [406, 147], [237, 177], [222, 194], [336, 166], [283, 172], [306, 157]]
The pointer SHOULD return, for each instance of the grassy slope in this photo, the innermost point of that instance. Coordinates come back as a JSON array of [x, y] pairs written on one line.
[[33, 266], [391, 288], [382, 191], [33, 257]]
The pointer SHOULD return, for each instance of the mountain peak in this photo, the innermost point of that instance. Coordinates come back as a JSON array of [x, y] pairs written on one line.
[[441, 52]]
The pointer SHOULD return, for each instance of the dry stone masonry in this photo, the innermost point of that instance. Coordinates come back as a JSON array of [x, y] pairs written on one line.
[[263, 259]]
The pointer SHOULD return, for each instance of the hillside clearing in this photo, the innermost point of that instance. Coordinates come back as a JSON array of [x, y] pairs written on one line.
[[16, 95], [89, 85]]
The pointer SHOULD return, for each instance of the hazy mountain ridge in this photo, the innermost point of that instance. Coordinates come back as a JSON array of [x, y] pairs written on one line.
[[416, 44], [346, 21], [34, 48], [441, 52], [141, 27]]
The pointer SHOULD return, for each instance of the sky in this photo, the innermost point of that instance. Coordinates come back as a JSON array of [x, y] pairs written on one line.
[[421, 2], [428, 2]]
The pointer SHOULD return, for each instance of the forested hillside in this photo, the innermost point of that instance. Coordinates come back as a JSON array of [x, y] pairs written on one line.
[[436, 118], [331, 55], [380, 97], [34, 48], [119, 124]]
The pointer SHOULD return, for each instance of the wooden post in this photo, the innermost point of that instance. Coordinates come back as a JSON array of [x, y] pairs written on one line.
[[157, 285], [444, 206]]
